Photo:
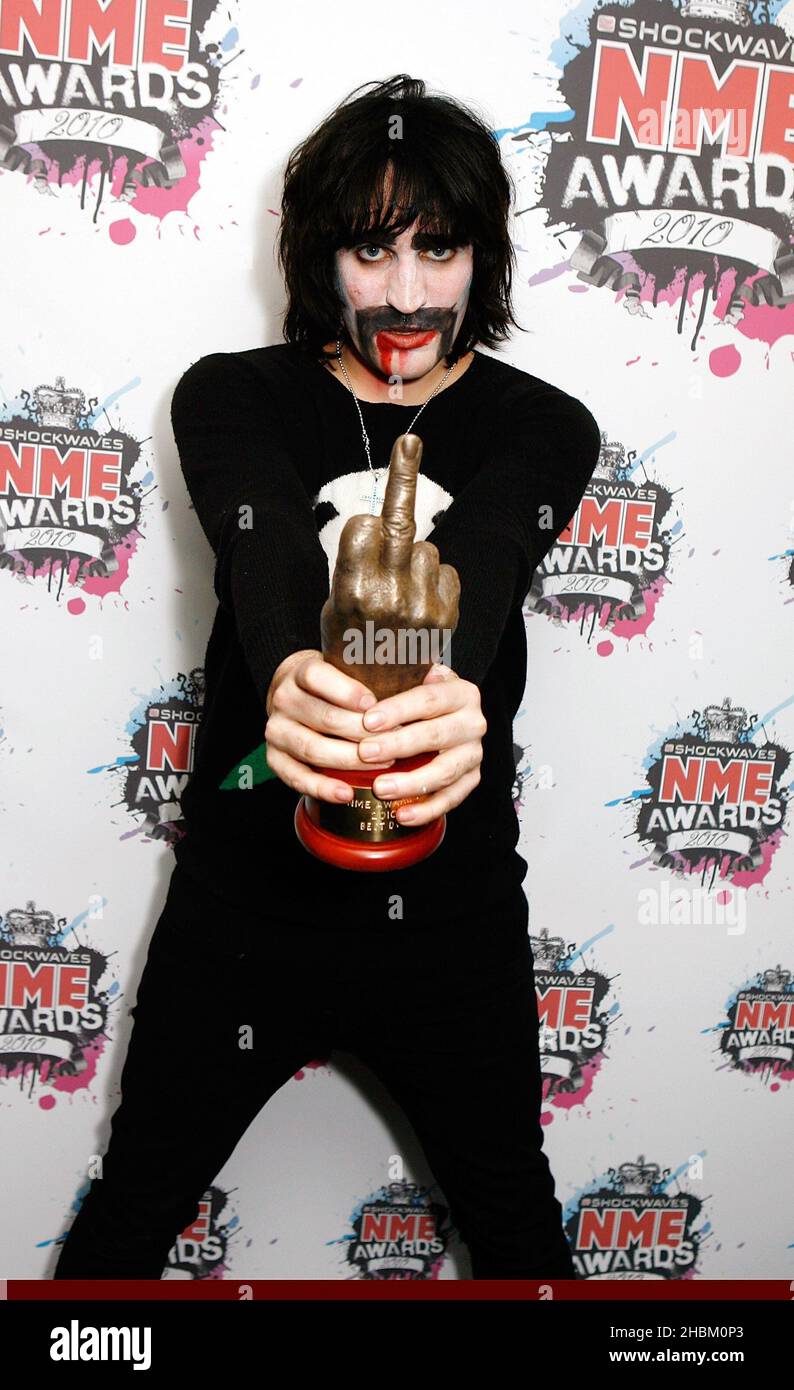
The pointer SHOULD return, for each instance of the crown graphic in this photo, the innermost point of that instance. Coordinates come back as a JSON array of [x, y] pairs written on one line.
[[611, 460], [546, 950], [403, 1194], [734, 10], [723, 722], [58, 405], [29, 927], [637, 1179], [776, 980]]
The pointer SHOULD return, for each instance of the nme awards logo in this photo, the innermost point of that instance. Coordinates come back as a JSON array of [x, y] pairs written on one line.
[[573, 1019], [399, 1234], [613, 555], [759, 1036], [66, 500], [164, 731], [110, 90], [200, 1251], [677, 160], [716, 796], [630, 1228], [53, 1015]]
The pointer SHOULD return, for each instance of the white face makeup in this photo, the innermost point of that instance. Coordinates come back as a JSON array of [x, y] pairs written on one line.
[[404, 299]]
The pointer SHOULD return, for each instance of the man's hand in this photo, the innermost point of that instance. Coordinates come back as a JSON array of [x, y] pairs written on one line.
[[314, 716], [442, 713], [382, 577]]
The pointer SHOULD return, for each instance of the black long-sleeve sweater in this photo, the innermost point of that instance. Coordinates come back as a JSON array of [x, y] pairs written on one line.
[[271, 450]]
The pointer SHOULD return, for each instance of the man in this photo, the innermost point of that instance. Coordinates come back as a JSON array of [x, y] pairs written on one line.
[[398, 262]]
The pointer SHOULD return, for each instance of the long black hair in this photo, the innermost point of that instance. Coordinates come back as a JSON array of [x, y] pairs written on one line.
[[444, 171]]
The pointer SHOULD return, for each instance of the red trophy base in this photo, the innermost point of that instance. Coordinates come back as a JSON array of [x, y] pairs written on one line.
[[363, 834]]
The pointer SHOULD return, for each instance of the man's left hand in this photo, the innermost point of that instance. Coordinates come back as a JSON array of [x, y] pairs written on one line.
[[441, 714]]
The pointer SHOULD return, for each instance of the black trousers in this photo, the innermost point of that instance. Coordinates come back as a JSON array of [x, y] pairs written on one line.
[[445, 1017]]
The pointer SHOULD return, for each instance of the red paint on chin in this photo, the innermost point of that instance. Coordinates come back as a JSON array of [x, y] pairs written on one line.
[[389, 343]]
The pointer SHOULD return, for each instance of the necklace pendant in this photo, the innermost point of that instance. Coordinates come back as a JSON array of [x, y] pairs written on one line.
[[375, 497]]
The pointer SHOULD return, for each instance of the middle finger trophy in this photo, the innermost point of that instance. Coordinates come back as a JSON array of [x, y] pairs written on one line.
[[389, 606]]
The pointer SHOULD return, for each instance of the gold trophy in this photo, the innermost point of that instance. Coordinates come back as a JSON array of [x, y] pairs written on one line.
[[390, 613]]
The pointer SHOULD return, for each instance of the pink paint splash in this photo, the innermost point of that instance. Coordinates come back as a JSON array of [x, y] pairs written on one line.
[[111, 583], [91, 1053], [158, 202], [761, 322], [122, 232], [705, 867], [98, 585], [737, 878], [768, 849], [626, 628], [636, 627], [782, 1072], [567, 1100], [764, 323], [725, 361], [150, 200]]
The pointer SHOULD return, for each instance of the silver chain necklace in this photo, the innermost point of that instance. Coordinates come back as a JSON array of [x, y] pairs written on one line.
[[377, 472]]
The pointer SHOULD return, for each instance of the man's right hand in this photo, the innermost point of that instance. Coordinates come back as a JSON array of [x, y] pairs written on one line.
[[315, 717]]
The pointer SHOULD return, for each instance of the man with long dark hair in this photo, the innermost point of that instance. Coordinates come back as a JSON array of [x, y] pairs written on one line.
[[398, 265]]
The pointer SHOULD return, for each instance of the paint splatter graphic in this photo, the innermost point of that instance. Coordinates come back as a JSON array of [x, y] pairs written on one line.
[[398, 1234], [201, 1251], [164, 732], [629, 1226], [670, 161], [574, 1016], [70, 511], [610, 564], [717, 799], [53, 1014], [119, 102], [758, 1035]]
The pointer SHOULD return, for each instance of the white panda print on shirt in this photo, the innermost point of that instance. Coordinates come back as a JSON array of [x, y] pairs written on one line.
[[350, 495]]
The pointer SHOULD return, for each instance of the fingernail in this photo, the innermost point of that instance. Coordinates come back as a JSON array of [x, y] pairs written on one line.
[[406, 812], [367, 701], [343, 793], [373, 721], [369, 750], [387, 787]]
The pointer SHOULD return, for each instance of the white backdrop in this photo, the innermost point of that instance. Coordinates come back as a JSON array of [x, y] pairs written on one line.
[[654, 1102]]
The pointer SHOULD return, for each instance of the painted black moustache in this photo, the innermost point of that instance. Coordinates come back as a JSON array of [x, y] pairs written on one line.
[[379, 321]]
